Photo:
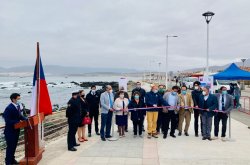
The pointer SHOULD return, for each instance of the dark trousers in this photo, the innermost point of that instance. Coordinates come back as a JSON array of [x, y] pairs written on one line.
[[223, 117], [137, 124], [196, 121], [11, 141], [106, 121], [176, 120], [206, 124], [95, 117], [72, 134], [166, 118], [159, 121]]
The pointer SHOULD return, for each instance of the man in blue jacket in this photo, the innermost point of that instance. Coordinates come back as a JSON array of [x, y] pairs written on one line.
[[153, 100], [208, 102], [12, 115]]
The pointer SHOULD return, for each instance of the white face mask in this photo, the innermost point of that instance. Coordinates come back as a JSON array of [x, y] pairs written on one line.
[[196, 87], [111, 91], [204, 93], [93, 90], [155, 91], [121, 96]]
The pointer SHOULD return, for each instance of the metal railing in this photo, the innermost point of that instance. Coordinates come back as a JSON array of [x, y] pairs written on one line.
[[245, 104]]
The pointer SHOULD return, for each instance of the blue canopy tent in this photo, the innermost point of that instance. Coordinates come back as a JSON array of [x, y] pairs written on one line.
[[233, 72]]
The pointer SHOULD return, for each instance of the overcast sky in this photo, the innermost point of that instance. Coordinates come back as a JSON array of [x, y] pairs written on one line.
[[123, 33]]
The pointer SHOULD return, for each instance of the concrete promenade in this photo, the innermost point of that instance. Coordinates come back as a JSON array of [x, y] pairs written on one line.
[[142, 151]]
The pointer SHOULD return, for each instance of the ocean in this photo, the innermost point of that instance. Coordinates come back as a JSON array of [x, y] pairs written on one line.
[[59, 87]]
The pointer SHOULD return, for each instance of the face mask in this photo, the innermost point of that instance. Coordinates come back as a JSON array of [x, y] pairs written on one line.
[[161, 90], [184, 92], [174, 93], [82, 95], [93, 90], [121, 96], [155, 91], [18, 102], [196, 87], [224, 92], [111, 91], [138, 86], [136, 97], [204, 93]]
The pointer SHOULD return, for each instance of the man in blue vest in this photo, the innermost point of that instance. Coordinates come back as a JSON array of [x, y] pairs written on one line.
[[12, 115]]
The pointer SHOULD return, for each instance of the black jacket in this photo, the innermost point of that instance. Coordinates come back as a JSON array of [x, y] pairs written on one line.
[[73, 111], [141, 91], [137, 114], [196, 96], [84, 107], [93, 101]]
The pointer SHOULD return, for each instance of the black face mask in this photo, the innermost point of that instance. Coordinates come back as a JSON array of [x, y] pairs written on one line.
[[82, 96]]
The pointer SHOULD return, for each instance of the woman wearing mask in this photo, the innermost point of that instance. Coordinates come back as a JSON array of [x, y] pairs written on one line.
[[121, 108], [137, 116], [83, 113]]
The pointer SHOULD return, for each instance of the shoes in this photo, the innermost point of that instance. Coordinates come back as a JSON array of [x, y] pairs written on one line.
[[85, 139], [140, 136], [120, 136], [155, 135], [186, 134], [204, 138], [89, 135], [164, 136], [97, 133], [196, 135], [103, 139], [215, 138], [72, 149], [14, 162], [173, 135], [126, 130], [108, 136], [149, 136], [143, 130], [123, 135], [77, 145], [80, 140], [209, 138], [179, 134], [135, 136]]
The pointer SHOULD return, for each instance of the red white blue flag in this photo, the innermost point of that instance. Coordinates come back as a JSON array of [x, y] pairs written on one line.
[[40, 96]]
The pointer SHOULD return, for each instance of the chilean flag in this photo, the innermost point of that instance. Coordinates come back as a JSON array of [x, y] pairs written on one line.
[[40, 96]]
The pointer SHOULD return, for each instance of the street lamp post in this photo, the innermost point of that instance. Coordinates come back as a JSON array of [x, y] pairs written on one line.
[[167, 59], [208, 16], [159, 74], [243, 61]]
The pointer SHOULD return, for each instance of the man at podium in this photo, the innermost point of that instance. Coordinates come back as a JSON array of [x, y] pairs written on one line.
[[12, 115]]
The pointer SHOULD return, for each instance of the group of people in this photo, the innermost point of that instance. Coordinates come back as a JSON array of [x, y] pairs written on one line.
[[159, 106]]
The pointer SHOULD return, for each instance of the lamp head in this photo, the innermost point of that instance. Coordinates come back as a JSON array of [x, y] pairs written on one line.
[[208, 16]]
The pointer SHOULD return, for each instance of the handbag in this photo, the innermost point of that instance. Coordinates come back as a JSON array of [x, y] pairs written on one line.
[[86, 120]]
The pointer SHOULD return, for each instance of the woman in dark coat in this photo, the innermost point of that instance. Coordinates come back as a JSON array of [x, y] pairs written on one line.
[[83, 112], [137, 115]]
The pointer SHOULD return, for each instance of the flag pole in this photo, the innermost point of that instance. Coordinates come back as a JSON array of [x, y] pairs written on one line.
[[37, 79]]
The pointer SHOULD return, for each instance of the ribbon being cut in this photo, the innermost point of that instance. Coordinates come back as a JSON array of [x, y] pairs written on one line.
[[177, 107]]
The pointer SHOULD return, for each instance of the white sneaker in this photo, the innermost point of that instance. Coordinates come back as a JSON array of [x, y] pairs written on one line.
[[215, 138]]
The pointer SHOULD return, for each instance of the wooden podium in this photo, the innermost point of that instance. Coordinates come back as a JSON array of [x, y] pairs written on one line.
[[33, 152]]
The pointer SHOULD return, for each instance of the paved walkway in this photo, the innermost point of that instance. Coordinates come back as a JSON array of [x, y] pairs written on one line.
[[143, 151]]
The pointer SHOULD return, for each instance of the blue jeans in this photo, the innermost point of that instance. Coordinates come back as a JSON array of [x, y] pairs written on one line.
[[106, 120]]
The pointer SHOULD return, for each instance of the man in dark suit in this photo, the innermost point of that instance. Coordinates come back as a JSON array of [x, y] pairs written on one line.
[[93, 99], [74, 118], [225, 104], [208, 102], [12, 115]]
